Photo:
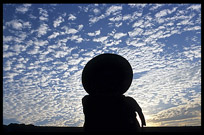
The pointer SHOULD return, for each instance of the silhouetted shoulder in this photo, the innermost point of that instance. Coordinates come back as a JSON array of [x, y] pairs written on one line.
[[132, 103], [84, 98]]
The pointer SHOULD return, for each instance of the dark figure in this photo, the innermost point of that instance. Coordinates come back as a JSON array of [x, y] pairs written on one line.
[[105, 78]]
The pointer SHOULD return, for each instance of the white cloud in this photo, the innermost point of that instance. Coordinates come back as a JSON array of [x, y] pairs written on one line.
[[136, 43], [126, 17], [113, 9], [135, 32], [98, 32], [8, 54], [20, 65], [72, 31], [32, 16], [118, 24], [23, 60], [112, 42], [165, 12], [41, 42], [16, 24], [44, 78], [138, 23], [63, 66], [149, 32], [161, 13], [80, 27], [193, 52], [26, 24], [192, 28], [94, 33], [42, 30], [35, 50], [137, 5], [7, 39], [75, 55], [58, 21], [195, 7], [155, 6], [117, 18], [136, 14], [20, 37], [5, 47], [89, 54], [7, 65], [72, 17], [100, 39], [69, 30], [44, 14], [183, 112], [54, 35], [77, 38], [96, 11], [23, 8], [110, 10], [173, 10], [18, 48], [119, 35], [11, 75], [96, 19]]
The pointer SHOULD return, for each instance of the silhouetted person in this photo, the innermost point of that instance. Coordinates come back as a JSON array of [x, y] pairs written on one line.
[[105, 78]]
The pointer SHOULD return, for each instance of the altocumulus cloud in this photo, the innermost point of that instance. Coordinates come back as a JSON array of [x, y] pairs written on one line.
[[44, 55]]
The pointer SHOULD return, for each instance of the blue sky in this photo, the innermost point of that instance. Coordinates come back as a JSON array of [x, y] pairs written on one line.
[[46, 46]]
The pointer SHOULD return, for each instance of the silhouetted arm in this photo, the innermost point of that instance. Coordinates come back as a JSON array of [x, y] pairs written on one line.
[[138, 109], [142, 118]]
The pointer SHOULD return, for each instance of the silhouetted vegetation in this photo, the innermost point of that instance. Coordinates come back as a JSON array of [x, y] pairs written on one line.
[[13, 127]]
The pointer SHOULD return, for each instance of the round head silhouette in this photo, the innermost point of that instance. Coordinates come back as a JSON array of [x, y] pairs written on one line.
[[107, 74]]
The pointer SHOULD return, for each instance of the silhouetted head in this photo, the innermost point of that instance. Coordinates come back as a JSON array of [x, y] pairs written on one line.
[[107, 74]]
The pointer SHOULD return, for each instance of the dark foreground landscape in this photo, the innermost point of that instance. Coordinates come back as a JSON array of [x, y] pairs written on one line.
[[31, 128]]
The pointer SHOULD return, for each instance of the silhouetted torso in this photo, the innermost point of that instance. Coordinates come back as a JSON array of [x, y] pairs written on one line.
[[110, 113]]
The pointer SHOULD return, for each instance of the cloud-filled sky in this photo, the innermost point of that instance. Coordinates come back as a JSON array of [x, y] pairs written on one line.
[[46, 46]]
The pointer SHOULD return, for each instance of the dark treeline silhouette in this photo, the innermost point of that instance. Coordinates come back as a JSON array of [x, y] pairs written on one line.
[[16, 128], [105, 78]]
